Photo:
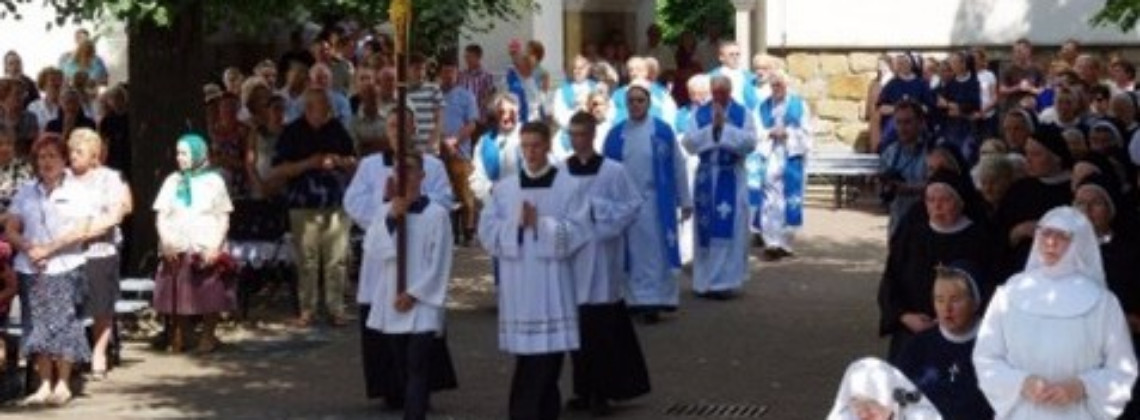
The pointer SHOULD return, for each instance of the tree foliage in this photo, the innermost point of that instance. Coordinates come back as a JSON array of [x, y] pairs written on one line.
[[679, 16], [435, 27], [1122, 14]]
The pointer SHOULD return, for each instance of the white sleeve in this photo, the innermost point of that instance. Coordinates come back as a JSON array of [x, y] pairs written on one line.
[[560, 236], [478, 180], [999, 380], [499, 225], [615, 205], [364, 191], [562, 112], [429, 285], [437, 186], [1107, 388]]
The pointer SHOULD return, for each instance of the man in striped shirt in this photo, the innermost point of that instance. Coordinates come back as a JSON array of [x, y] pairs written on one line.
[[426, 100], [477, 80]]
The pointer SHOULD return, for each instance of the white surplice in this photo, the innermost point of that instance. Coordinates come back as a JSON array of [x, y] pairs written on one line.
[[509, 158], [723, 265], [1058, 322], [429, 259], [652, 281], [538, 312], [599, 267], [773, 215], [365, 193]]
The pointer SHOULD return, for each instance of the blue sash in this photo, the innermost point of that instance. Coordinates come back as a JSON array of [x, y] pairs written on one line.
[[683, 115], [489, 154], [567, 91], [664, 179], [515, 86], [716, 198]]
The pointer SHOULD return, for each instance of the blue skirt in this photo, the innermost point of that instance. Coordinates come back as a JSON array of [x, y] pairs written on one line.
[[53, 300]]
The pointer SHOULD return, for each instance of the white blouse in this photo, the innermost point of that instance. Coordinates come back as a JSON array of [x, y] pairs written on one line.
[[199, 227]]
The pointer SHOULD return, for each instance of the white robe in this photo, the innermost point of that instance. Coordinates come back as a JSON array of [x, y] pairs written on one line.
[[509, 154], [723, 265], [599, 267], [1022, 336], [429, 268], [365, 193], [773, 216], [538, 312], [652, 282]]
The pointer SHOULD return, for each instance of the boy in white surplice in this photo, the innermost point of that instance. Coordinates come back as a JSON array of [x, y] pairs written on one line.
[[533, 224]]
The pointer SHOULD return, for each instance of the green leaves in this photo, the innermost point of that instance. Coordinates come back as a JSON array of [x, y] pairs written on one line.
[[1120, 13], [679, 16], [436, 24]]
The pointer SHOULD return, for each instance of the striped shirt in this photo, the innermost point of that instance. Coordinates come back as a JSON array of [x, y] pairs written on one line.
[[424, 100], [480, 83]]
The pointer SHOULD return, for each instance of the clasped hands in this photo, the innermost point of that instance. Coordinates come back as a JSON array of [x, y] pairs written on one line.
[[1037, 390]]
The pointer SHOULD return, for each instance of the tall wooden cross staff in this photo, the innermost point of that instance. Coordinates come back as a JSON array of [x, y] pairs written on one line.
[[400, 14]]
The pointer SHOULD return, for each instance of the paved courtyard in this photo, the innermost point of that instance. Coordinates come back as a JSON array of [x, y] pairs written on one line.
[[782, 346]]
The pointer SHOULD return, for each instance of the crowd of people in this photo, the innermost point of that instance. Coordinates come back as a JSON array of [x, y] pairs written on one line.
[[1008, 288], [590, 196]]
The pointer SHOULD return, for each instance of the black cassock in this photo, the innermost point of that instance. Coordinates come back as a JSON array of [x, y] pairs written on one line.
[[1121, 256], [380, 366], [908, 280], [1027, 200]]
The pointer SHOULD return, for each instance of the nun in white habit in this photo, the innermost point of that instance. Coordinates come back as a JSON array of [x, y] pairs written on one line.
[[874, 390], [1054, 343]]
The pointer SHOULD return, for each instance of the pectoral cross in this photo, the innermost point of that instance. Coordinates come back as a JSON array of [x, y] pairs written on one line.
[[953, 372]]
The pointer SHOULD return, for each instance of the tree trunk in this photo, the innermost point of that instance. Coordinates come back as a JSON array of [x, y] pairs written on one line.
[[166, 71]]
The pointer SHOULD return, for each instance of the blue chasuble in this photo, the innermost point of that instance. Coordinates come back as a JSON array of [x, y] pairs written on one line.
[[715, 200], [794, 170]]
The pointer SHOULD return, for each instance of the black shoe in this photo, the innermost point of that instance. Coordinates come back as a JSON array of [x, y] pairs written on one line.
[[719, 295], [757, 241]]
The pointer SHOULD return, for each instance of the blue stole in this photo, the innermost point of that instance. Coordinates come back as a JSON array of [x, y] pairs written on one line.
[[794, 166], [515, 86], [489, 154], [716, 198], [567, 92], [664, 179], [683, 115]]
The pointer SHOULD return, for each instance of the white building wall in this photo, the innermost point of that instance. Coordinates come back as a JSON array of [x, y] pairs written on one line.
[[40, 45], [496, 58], [933, 23]]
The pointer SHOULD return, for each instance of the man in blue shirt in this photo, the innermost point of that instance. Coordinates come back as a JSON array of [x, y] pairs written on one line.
[[460, 116]]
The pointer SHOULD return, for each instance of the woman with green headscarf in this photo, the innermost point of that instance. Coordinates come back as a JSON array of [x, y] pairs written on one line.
[[193, 219]]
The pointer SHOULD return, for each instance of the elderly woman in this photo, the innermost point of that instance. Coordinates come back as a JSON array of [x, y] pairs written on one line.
[[1084, 365], [14, 171], [48, 221], [193, 210], [939, 360], [1115, 226], [113, 202], [992, 179], [1018, 125], [947, 234], [71, 115], [497, 154], [1046, 185]]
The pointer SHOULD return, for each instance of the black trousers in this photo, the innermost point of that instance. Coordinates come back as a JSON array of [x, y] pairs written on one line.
[[373, 356], [413, 352], [534, 388]]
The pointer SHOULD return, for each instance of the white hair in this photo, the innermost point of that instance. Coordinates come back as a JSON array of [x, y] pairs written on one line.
[[699, 82]]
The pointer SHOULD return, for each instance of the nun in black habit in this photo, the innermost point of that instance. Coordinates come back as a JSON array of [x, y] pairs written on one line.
[[945, 235], [1046, 185], [1099, 199]]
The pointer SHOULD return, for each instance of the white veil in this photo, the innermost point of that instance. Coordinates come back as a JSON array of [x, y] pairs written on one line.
[[874, 379], [1083, 256], [1072, 286]]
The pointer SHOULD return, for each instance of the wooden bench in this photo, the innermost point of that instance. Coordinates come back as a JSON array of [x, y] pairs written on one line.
[[841, 169]]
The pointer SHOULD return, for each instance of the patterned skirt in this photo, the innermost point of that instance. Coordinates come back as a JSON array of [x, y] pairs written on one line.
[[54, 300], [183, 288]]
